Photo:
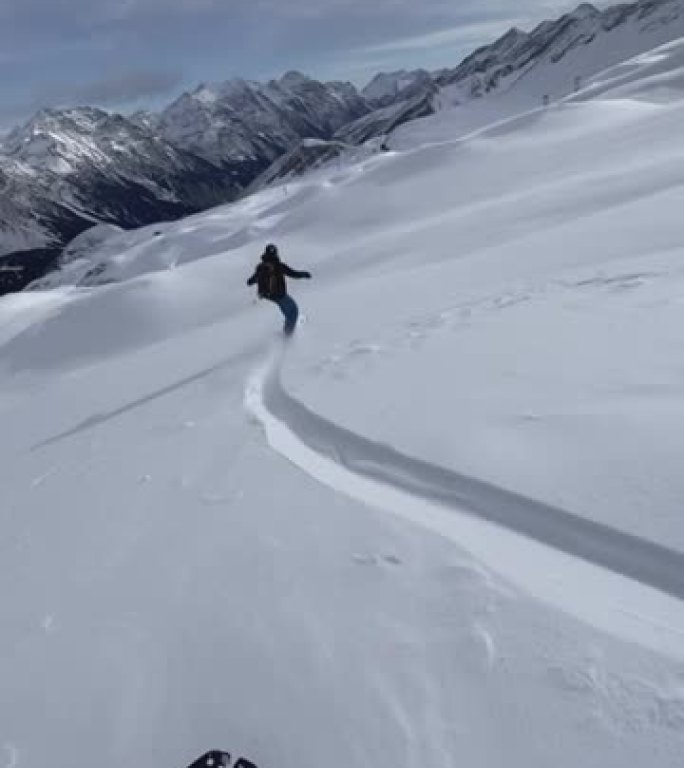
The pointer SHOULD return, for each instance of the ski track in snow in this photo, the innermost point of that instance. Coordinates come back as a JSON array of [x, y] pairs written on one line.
[[543, 549]]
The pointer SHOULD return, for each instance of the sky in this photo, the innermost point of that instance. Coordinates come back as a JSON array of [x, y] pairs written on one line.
[[127, 54]]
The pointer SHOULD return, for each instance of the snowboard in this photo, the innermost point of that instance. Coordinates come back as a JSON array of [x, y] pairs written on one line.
[[213, 759], [217, 759]]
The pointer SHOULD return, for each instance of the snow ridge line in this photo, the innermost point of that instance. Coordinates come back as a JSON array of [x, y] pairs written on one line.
[[328, 451]]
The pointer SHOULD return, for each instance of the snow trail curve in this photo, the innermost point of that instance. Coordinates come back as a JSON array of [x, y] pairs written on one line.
[[457, 506]]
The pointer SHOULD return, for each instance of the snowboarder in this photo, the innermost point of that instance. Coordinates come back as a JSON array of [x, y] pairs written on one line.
[[269, 277]]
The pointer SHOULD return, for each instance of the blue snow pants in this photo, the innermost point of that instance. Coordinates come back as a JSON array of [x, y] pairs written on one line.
[[290, 310]]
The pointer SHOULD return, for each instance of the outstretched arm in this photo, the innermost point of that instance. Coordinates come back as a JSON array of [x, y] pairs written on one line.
[[295, 273], [252, 280]]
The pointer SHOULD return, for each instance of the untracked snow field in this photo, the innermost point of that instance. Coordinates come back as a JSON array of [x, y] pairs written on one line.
[[442, 526]]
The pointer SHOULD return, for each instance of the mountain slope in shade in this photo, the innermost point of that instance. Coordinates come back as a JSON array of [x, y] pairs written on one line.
[[66, 170], [382, 122], [309, 155]]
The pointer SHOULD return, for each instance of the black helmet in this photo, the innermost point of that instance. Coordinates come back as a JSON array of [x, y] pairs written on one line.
[[271, 250]]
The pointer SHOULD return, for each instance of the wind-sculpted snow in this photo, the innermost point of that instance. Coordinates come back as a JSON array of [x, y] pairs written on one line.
[[438, 498]]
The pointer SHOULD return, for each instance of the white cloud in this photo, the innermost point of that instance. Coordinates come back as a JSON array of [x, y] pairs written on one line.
[[454, 36], [116, 91]]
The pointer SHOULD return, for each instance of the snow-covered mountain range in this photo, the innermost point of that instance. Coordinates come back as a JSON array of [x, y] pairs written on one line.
[[247, 125], [562, 52], [520, 69], [67, 169]]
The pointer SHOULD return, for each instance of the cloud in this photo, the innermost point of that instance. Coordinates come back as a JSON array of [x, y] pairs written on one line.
[[452, 37], [119, 90], [79, 15], [125, 88]]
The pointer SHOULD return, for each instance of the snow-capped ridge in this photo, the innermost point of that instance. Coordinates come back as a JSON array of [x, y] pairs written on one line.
[[585, 11], [613, 34], [66, 170], [387, 86], [248, 124], [294, 79]]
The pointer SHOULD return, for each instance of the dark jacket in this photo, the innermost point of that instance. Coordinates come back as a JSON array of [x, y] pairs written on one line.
[[269, 277]]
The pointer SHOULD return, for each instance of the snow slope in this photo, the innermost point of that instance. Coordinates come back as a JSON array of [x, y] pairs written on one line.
[[438, 528], [554, 60]]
